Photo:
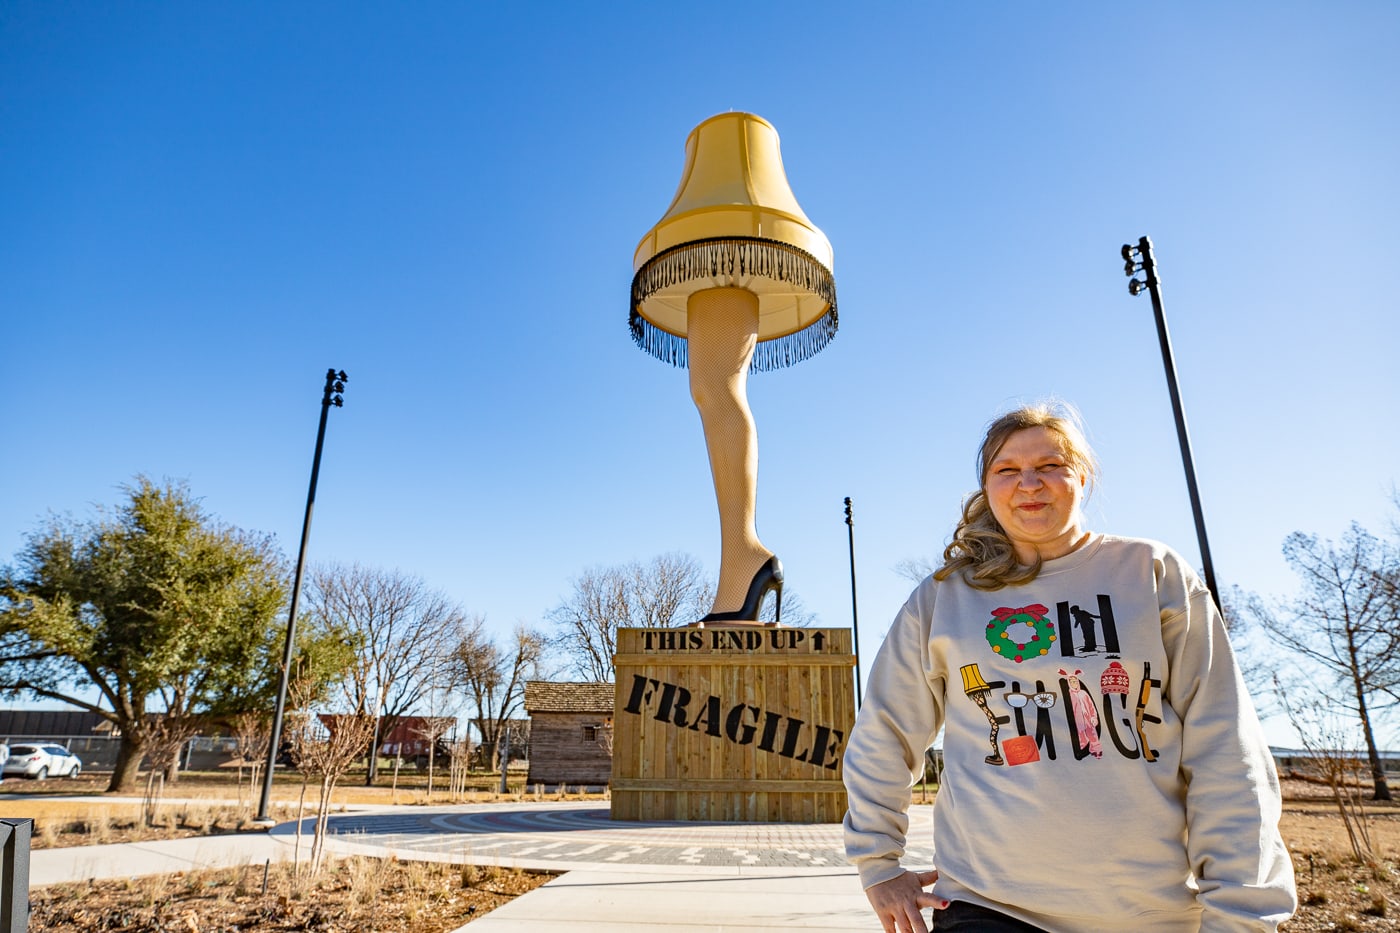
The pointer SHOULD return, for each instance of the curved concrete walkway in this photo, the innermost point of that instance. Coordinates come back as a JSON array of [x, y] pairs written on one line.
[[619, 876], [568, 836]]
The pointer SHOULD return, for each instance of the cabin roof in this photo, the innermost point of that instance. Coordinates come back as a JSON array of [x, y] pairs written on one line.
[[543, 696]]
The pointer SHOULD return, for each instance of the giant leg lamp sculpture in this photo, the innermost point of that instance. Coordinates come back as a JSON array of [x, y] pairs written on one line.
[[734, 279]]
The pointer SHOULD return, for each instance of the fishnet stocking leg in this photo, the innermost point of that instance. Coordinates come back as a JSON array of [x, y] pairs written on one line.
[[722, 334]]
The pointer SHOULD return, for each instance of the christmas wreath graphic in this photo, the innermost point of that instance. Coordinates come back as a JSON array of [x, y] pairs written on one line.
[[1043, 632]]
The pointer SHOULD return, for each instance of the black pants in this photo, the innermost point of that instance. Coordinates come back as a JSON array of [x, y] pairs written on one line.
[[962, 917]]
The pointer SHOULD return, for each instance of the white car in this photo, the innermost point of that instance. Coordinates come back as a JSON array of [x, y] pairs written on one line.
[[42, 761]]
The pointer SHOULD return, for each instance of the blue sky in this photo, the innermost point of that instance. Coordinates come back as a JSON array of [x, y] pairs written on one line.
[[205, 206]]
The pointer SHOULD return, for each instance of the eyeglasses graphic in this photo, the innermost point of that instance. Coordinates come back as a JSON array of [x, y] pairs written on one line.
[[1045, 699]]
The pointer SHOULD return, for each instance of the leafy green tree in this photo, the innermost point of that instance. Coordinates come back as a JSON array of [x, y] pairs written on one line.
[[1344, 626], [169, 616]]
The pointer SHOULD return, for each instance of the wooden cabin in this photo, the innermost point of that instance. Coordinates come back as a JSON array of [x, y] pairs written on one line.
[[570, 732]]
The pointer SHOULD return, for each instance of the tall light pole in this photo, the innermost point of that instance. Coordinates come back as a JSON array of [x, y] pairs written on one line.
[[855, 620], [335, 386], [1139, 259]]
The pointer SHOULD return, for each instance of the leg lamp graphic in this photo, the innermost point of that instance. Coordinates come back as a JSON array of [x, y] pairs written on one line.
[[979, 690], [734, 279]]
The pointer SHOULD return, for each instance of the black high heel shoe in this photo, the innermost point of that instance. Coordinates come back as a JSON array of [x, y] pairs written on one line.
[[768, 577]]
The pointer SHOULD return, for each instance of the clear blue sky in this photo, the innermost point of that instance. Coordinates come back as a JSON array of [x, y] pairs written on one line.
[[205, 206]]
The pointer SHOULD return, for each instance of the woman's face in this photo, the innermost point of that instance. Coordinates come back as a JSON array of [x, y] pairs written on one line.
[[1035, 494]]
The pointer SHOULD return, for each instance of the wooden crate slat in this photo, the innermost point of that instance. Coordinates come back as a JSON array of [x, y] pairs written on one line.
[[731, 724]]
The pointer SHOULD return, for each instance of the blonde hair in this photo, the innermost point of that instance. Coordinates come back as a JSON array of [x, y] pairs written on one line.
[[980, 550]]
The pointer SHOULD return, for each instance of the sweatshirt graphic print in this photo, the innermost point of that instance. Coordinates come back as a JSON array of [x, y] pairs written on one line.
[[1026, 633]]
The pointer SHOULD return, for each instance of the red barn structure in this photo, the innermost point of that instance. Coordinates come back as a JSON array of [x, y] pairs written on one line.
[[407, 736]]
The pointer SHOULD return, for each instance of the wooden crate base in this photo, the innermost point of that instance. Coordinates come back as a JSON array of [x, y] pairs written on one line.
[[738, 724]]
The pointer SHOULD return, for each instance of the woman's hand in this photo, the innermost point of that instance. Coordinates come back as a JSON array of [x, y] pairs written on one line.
[[899, 902]]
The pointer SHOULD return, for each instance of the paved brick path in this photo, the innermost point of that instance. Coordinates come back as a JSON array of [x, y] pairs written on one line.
[[573, 835]]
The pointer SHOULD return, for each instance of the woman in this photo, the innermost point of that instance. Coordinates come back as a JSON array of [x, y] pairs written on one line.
[[1161, 815]]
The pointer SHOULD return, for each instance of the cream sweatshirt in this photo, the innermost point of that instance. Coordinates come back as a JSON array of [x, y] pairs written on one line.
[[1104, 768]]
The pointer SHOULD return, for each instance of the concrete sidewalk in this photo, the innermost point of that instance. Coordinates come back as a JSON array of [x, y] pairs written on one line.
[[634, 902], [619, 876], [133, 859]]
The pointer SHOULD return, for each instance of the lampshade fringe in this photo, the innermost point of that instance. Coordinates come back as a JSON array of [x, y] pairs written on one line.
[[724, 258]]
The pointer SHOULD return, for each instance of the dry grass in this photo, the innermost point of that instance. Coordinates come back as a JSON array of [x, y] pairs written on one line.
[[1335, 892], [89, 821], [82, 814], [383, 895], [412, 789]]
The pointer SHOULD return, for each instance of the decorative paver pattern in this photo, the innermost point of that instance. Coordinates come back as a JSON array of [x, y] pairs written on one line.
[[580, 833]]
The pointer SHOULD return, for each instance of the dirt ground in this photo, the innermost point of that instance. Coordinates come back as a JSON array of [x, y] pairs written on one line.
[[1336, 892], [359, 894]]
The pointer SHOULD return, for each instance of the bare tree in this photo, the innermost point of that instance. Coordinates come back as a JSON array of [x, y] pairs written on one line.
[[403, 633], [671, 590], [459, 769], [166, 735], [494, 678], [1345, 626], [322, 747], [1326, 740], [915, 568], [251, 733], [477, 669], [432, 730], [795, 612]]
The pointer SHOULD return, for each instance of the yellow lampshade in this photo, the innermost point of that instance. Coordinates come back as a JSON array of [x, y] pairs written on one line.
[[972, 679], [734, 222]]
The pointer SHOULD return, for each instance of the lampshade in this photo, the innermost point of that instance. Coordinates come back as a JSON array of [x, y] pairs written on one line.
[[972, 679], [734, 222]]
